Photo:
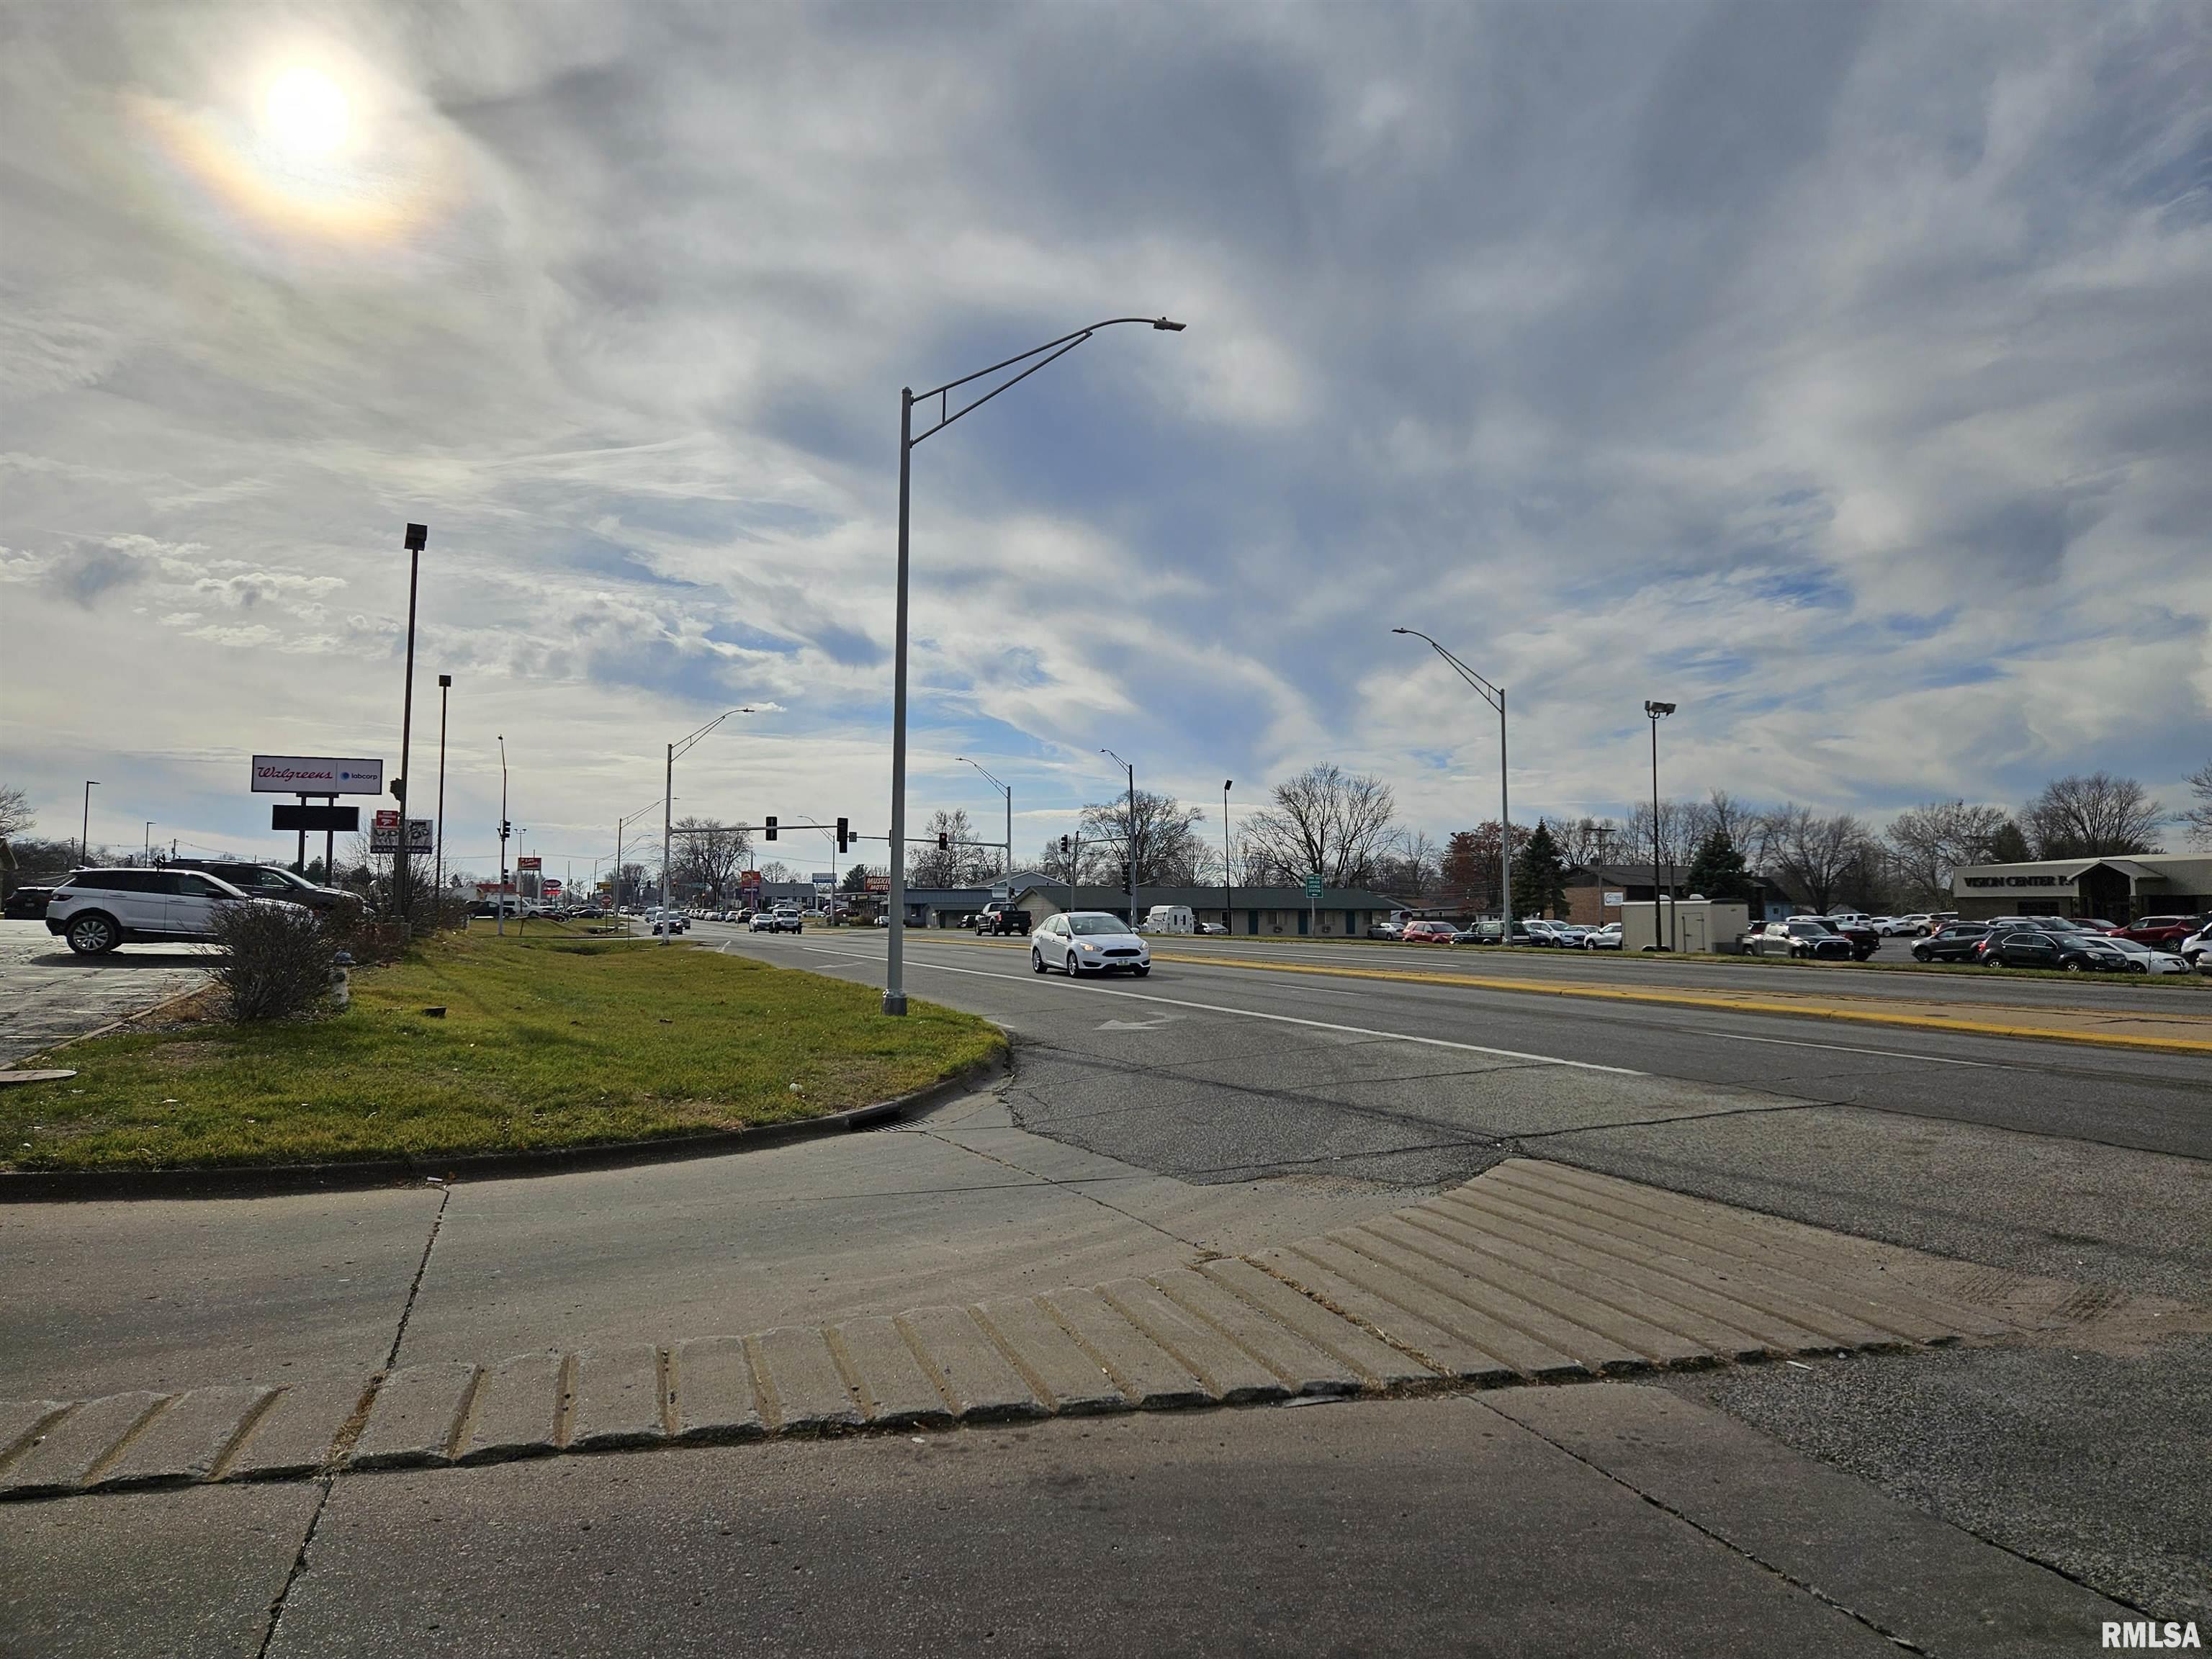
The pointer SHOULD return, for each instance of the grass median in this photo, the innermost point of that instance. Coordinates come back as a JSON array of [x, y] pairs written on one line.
[[545, 1042]]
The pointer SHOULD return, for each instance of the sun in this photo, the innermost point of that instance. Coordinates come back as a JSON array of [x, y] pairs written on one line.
[[306, 115]]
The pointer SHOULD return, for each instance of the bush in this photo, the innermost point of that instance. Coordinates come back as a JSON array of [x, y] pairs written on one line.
[[277, 959]]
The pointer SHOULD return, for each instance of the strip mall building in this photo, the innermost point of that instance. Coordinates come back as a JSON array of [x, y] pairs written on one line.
[[2118, 888]]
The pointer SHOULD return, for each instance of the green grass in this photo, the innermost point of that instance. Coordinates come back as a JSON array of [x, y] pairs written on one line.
[[545, 1041]]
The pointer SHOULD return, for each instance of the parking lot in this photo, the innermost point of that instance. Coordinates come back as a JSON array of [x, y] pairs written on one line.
[[47, 994]]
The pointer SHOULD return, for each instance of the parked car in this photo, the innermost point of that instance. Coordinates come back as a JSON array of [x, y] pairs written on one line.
[[1214, 928], [1954, 942], [2092, 953], [96, 910], [1429, 933], [1087, 942], [1800, 936], [270, 881], [2020, 947], [1541, 932], [1389, 930], [778, 920], [2162, 933], [2196, 949], [1607, 937], [27, 903], [1865, 939], [2148, 959], [1568, 935]]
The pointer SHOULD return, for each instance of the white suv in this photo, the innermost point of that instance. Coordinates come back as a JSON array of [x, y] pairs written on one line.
[[96, 910]]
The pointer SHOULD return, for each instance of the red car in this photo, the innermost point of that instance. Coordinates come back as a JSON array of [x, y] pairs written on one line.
[[2162, 933], [1429, 933]]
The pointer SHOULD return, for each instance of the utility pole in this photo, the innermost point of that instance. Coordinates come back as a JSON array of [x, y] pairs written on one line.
[[84, 832], [1656, 712], [500, 906], [1227, 915], [445, 686], [1132, 771], [417, 537]]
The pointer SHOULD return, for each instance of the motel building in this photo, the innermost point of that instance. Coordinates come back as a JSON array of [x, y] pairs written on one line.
[[2122, 888]]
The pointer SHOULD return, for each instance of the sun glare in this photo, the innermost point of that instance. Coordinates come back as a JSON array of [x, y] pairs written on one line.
[[306, 115]]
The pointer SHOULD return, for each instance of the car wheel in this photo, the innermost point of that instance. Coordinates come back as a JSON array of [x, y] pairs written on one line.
[[2133, 967], [2072, 967], [93, 935], [1036, 962]]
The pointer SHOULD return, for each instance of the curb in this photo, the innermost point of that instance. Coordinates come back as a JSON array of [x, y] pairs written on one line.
[[276, 1180]]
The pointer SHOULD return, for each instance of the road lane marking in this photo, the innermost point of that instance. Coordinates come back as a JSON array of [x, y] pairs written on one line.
[[1843, 1049], [1277, 1019]]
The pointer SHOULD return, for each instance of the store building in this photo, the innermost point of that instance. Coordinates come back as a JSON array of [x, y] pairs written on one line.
[[2119, 888]]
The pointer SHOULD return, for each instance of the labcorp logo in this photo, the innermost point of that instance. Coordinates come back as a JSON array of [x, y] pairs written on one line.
[[2143, 1633]]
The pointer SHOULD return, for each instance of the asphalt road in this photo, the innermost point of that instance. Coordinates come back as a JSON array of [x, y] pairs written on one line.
[[47, 993], [2038, 1157]]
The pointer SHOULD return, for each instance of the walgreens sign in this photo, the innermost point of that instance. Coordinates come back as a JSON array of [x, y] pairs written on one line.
[[316, 774]]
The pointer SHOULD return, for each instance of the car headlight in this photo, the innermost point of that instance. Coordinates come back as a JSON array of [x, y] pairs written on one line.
[[1086, 947]]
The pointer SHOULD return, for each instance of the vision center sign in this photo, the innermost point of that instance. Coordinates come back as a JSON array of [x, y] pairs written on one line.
[[316, 774]]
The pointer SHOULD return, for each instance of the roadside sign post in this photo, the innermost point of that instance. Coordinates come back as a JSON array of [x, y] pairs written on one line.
[[1313, 898]]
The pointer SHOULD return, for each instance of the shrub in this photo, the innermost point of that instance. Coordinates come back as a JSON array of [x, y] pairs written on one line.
[[277, 959]]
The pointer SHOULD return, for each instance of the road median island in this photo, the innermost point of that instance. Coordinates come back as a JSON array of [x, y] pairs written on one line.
[[2175, 1033], [474, 1046]]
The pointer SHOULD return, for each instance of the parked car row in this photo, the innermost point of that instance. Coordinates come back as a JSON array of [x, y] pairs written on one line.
[[2074, 945]]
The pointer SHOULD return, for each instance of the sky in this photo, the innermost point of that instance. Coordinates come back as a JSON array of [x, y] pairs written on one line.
[[1841, 374]]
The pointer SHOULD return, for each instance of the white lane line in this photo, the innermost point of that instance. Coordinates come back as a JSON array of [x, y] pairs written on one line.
[[1278, 1019], [1843, 1049]]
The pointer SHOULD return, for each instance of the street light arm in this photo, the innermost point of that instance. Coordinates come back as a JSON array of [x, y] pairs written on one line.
[[1044, 354], [1494, 694], [980, 767], [683, 745]]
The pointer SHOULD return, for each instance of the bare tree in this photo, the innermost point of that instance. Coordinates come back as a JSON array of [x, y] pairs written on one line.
[[1819, 854], [1327, 821], [2092, 817], [1932, 840], [1720, 811], [2199, 817], [1589, 840], [1678, 834], [958, 863], [15, 813], [1169, 851], [708, 856], [1412, 869]]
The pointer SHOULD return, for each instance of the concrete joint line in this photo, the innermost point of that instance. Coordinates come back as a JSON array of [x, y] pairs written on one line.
[[108, 1459], [415, 1286], [299, 1567], [1396, 1344], [1046, 1395], [1080, 1188]]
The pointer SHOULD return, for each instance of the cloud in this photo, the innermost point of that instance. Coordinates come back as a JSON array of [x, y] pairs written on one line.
[[1839, 373]]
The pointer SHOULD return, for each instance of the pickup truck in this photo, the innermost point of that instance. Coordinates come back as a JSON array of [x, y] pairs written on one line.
[[1000, 917]]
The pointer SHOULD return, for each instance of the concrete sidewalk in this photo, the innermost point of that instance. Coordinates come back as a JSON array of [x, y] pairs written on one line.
[[1533, 1271], [1604, 1519]]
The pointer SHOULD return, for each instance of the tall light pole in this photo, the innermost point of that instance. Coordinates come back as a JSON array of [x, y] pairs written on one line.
[[402, 879], [681, 746], [445, 687], [626, 817], [84, 832], [1007, 790], [1227, 915], [1037, 358], [148, 856], [1656, 712], [500, 904], [1132, 771], [1495, 697]]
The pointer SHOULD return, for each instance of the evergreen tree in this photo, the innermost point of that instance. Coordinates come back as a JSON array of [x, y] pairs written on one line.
[[1540, 875], [1718, 871], [2009, 845]]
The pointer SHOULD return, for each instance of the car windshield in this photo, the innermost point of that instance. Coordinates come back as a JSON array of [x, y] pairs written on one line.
[[2133, 947], [1095, 925]]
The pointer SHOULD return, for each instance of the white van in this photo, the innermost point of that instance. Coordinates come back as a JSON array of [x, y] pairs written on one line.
[[1168, 919]]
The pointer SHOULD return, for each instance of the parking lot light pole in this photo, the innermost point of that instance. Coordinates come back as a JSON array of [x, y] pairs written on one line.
[[1132, 771], [445, 686], [1495, 697], [149, 855], [84, 833], [681, 746], [1227, 915], [500, 904], [1036, 357], [1656, 712], [1007, 790], [402, 882]]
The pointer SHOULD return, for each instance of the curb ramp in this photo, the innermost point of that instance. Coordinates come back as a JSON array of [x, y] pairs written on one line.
[[1532, 1271]]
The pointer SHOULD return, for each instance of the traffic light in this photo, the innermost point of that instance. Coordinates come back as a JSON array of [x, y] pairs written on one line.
[[1063, 846], [944, 841], [506, 827], [844, 833], [769, 830]]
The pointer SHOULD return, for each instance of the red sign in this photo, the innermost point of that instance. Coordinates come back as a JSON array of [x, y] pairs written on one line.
[[879, 883], [387, 821], [531, 862]]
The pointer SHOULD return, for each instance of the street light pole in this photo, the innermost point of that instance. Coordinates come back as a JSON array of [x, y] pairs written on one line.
[[1132, 835], [1036, 357], [1656, 712], [500, 903], [1227, 915], [402, 882], [84, 832], [1007, 790], [681, 746], [1495, 697], [445, 686], [149, 855]]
